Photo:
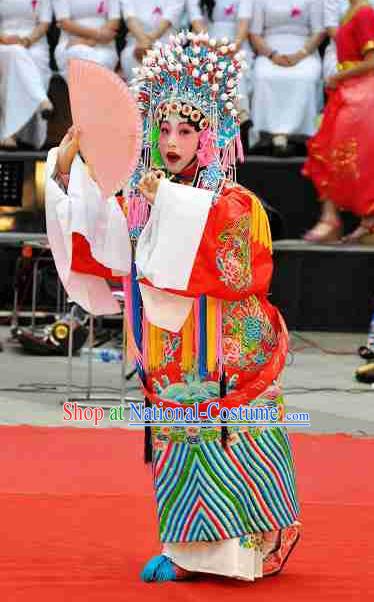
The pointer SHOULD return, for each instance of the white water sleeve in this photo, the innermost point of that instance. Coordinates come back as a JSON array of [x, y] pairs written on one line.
[[102, 223], [168, 245]]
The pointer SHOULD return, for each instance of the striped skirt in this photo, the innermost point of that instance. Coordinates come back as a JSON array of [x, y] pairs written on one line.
[[207, 493]]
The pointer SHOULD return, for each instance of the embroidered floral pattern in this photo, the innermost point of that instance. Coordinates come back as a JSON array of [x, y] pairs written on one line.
[[233, 255], [254, 541], [189, 391], [196, 435], [248, 336], [172, 343], [344, 159]]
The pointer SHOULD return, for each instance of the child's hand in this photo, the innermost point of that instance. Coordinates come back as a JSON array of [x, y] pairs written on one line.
[[149, 184]]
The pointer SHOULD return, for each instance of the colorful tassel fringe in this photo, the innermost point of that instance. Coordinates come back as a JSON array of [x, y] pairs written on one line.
[[202, 358], [260, 227], [155, 347], [211, 330], [201, 334], [187, 344]]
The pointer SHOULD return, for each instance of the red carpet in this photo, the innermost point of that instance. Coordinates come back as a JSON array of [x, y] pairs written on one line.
[[77, 522]]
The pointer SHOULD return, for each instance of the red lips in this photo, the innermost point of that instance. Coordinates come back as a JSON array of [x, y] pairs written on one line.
[[173, 157]]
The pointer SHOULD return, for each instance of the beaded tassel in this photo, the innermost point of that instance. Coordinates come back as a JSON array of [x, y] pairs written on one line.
[[219, 337], [211, 323], [187, 344], [222, 394], [202, 360], [148, 455], [260, 228]]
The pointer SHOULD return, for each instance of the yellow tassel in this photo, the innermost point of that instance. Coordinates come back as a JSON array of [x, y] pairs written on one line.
[[187, 344], [260, 228], [155, 347], [211, 324]]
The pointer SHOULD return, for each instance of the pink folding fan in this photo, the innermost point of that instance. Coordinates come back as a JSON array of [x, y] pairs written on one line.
[[109, 121]]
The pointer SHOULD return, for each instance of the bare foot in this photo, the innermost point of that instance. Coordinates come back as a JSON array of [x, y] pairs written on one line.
[[363, 234], [325, 231]]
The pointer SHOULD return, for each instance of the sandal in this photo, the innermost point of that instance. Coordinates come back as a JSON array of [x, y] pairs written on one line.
[[362, 235], [327, 230], [277, 559]]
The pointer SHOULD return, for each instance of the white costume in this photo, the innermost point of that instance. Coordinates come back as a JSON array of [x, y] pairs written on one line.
[[286, 99], [224, 23], [24, 72], [149, 13], [87, 13], [333, 11]]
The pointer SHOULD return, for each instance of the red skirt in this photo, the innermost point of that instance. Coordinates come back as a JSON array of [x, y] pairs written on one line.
[[341, 155]]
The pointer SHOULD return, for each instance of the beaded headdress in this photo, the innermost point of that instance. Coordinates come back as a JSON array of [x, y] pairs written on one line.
[[197, 78]]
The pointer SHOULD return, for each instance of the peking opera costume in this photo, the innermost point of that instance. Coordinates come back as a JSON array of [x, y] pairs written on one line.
[[340, 155], [196, 269]]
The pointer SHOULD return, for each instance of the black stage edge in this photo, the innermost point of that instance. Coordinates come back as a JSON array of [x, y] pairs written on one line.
[[327, 288], [280, 183]]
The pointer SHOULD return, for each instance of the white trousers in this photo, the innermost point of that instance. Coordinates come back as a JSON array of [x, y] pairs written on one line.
[[330, 61], [103, 55], [24, 80]]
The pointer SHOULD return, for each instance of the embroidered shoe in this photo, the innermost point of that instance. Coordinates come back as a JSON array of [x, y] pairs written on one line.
[[276, 560], [161, 568]]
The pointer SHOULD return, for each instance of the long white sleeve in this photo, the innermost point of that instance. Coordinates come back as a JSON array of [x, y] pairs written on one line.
[[331, 10], [173, 12], [167, 250], [168, 245], [316, 16], [245, 9], [102, 223], [258, 20]]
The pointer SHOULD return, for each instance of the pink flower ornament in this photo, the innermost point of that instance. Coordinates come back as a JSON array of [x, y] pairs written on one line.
[[157, 11], [101, 9], [295, 12], [207, 147], [230, 10], [34, 4]]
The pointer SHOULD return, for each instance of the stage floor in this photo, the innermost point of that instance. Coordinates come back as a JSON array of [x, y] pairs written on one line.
[[78, 522], [78, 516]]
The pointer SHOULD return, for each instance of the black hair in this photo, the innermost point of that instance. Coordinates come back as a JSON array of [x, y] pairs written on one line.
[[207, 7], [188, 121]]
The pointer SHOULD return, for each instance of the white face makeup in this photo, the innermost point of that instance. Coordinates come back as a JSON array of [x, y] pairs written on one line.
[[178, 143]]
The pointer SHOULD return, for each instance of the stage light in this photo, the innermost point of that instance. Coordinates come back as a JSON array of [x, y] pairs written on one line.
[[7, 223], [39, 180]]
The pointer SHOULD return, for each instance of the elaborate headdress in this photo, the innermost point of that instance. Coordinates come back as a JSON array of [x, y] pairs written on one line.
[[196, 77]]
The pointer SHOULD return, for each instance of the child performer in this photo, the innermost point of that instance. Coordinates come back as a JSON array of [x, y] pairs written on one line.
[[199, 320]]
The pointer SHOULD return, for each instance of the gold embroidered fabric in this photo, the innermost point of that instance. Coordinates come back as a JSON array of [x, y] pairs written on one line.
[[368, 46], [352, 11], [344, 158], [345, 65]]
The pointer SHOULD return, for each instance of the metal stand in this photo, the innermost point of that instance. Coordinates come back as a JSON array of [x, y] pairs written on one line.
[[89, 400], [36, 262]]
